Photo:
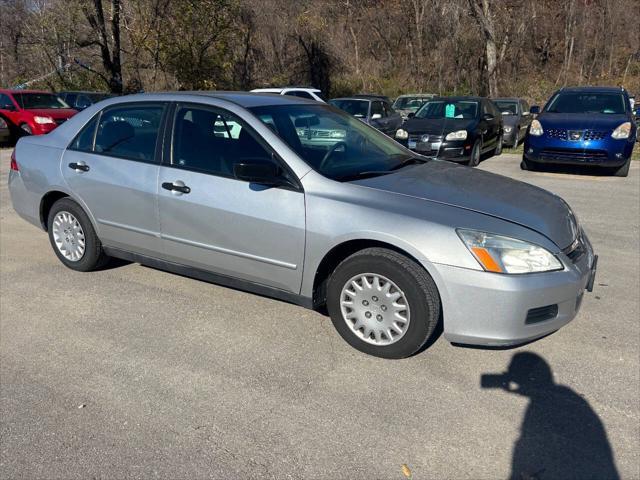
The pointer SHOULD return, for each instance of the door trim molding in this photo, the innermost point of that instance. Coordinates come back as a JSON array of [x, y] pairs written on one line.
[[123, 226]]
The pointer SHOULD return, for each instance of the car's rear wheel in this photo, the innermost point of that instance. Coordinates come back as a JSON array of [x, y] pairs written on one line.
[[73, 238], [474, 159], [623, 171], [383, 303]]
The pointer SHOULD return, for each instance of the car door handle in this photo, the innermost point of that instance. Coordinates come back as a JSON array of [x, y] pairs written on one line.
[[79, 167], [178, 187]]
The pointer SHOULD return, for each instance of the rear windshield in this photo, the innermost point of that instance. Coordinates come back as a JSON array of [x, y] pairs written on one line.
[[30, 101], [576, 102]]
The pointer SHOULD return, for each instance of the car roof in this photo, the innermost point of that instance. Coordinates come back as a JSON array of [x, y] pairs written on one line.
[[85, 91], [242, 99], [19, 90], [416, 95], [362, 99], [461, 97], [592, 89], [280, 89], [509, 99]]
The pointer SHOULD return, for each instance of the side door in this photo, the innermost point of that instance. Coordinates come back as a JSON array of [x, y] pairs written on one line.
[[213, 221], [378, 116], [394, 119], [112, 167], [490, 123]]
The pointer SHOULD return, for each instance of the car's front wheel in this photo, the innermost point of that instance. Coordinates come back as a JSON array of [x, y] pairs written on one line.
[[73, 238], [383, 303], [476, 151]]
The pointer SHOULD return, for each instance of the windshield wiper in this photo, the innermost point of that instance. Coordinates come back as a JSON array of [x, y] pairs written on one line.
[[409, 161]]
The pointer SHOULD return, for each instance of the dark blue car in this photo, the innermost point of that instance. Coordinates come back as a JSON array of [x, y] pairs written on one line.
[[583, 126]]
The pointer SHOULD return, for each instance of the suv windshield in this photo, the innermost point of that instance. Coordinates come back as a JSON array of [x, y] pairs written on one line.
[[610, 103], [30, 101], [449, 109], [334, 144], [409, 103], [507, 108], [357, 108]]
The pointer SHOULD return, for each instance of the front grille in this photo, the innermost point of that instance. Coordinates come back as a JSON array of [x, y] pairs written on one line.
[[541, 314], [571, 154], [556, 133], [594, 135], [433, 138]]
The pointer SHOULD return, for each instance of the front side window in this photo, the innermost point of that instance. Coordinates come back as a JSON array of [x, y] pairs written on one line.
[[449, 109], [129, 131], [576, 102], [5, 102], [357, 108], [333, 143], [507, 108], [210, 140], [31, 101]]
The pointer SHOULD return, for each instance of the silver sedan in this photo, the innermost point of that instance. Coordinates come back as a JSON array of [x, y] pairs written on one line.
[[226, 187]]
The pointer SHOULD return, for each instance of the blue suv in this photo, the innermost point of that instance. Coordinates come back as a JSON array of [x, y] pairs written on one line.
[[583, 126]]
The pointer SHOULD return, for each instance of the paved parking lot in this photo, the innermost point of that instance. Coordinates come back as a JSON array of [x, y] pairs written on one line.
[[133, 372]]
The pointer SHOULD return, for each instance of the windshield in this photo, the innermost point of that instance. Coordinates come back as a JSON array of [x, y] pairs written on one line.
[[357, 108], [30, 101], [409, 103], [449, 109], [610, 103], [334, 144], [507, 108]]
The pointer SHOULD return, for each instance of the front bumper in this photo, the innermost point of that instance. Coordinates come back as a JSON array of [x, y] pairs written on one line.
[[489, 309], [456, 150], [605, 152]]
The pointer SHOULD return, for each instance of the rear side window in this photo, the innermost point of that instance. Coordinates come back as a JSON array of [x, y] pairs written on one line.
[[300, 94], [84, 140], [129, 131]]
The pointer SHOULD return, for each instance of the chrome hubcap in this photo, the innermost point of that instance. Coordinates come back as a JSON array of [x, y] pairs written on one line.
[[68, 236], [375, 309]]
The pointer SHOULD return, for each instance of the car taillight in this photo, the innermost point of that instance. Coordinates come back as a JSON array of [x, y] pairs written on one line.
[[14, 163]]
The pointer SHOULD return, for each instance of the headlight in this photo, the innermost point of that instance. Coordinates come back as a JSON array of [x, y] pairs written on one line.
[[338, 134], [508, 129], [459, 135], [43, 120], [402, 134], [536, 128], [499, 254], [622, 131]]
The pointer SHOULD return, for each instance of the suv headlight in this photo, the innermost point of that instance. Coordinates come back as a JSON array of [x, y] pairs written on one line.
[[536, 128], [499, 254], [402, 134], [622, 131], [43, 120], [507, 129], [458, 135]]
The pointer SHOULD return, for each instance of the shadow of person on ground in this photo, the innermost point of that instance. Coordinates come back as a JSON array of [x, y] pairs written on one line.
[[561, 437]]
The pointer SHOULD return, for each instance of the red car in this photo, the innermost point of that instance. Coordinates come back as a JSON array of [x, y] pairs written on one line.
[[33, 112]]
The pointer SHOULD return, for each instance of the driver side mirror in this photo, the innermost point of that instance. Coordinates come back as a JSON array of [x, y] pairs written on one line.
[[376, 116], [258, 170]]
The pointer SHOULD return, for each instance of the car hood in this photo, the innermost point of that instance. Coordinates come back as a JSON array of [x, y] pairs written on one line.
[[438, 126], [56, 113], [483, 192], [510, 120], [579, 121]]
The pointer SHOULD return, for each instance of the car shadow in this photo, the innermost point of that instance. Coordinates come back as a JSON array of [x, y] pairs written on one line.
[[585, 170], [560, 436]]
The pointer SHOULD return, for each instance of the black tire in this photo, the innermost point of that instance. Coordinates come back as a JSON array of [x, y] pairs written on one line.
[[528, 165], [419, 290], [623, 171], [93, 256], [498, 150], [25, 129], [476, 152]]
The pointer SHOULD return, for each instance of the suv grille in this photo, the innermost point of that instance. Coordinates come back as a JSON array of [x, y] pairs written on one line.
[[568, 154], [557, 133], [594, 135], [561, 134]]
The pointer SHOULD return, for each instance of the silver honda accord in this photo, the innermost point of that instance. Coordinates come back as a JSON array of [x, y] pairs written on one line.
[[296, 200]]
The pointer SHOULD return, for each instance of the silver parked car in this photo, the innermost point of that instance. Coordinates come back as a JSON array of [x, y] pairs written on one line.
[[221, 187]]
